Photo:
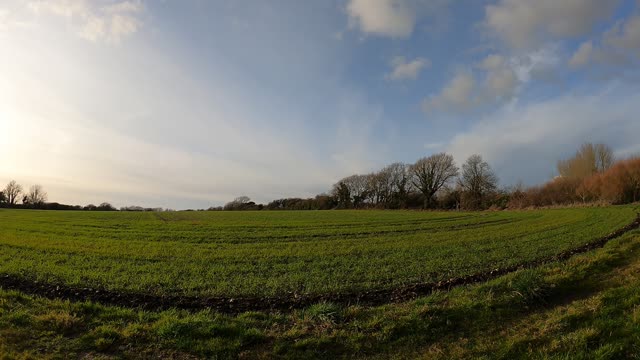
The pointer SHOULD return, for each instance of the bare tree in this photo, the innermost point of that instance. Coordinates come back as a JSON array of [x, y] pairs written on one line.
[[12, 192], [358, 187], [105, 206], [375, 189], [400, 184], [239, 203], [604, 157], [380, 186], [388, 187], [588, 160], [477, 180], [36, 195], [241, 200], [389, 181], [429, 174], [399, 177]]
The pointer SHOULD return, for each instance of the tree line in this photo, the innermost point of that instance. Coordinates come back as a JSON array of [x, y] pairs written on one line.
[[14, 196], [433, 182], [592, 174]]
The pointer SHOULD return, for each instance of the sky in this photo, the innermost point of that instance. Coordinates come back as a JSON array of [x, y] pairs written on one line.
[[190, 103]]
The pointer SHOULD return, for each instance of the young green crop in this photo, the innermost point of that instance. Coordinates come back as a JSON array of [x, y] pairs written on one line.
[[586, 307], [280, 253]]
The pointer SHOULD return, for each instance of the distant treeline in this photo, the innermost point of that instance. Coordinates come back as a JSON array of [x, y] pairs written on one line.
[[618, 183], [436, 182], [14, 196], [433, 182]]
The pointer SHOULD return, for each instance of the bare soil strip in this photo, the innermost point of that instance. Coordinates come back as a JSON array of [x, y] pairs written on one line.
[[284, 303]]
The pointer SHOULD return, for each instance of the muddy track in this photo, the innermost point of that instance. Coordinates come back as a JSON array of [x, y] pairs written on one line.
[[284, 303]]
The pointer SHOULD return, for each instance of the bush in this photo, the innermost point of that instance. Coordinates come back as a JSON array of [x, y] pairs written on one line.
[[620, 184]]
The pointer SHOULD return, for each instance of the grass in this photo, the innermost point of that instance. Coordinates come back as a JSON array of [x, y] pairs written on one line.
[[281, 253], [587, 307]]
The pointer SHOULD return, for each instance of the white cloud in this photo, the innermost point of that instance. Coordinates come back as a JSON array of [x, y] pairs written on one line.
[[501, 83], [111, 22], [96, 128], [455, 96], [625, 35], [525, 23], [12, 17], [392, 18], [525, 141], [538, 64], [618, 47], [501, 80], [123, 7], [123, 25], [583, 55], [4, 19], [406, 70], [463, 92], [397, 18], [492, 62]]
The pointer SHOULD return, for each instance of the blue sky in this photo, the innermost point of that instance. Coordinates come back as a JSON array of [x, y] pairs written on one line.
[[187, 104]]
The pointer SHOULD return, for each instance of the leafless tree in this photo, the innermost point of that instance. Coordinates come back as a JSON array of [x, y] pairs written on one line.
[[588, 160], [12, 192], [241, 200], [239, 203], [604, 157], [357, 186], [375, 188], [399, 177], [36, 195], [477, 180], [380, 186], [429, 174]]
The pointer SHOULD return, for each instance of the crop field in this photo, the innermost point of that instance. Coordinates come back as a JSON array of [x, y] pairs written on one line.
[[271, 254]]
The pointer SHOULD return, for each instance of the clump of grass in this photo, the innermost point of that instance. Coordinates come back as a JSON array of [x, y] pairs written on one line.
[[529, 287], [205, 332], [103, 338], [20, 318], [60, 321], [323, 311]]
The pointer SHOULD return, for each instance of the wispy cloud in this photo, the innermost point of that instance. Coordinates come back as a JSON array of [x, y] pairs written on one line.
[[392, 18], [618, 48], [111, 21], [396, 18], [457, 95], [527, 24], [524, 141], [403, 69]]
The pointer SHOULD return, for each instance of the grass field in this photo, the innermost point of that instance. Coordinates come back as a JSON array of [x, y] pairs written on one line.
[[587, 307], [281, 253]]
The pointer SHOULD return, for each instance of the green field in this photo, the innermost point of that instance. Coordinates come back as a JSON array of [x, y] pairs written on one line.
[[281, 253], [586, 307]]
